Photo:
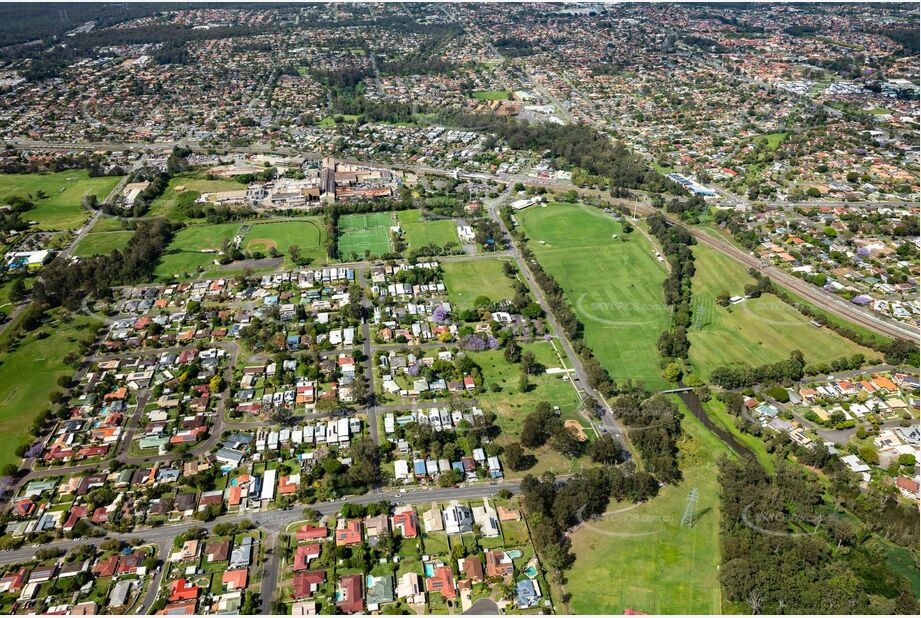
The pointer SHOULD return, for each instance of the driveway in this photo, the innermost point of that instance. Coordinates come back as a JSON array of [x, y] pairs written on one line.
[[484, 607]]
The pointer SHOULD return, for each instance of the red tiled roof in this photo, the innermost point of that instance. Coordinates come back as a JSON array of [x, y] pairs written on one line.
[[352, 601], [304, 581]]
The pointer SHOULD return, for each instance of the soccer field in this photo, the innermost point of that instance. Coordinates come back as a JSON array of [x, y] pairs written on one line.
[[366, 221], [613, 284], [363, 236]]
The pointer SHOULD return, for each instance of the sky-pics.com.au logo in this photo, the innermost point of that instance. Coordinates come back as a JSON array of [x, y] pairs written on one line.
[[621, 314], [777, 523], [625, 523]]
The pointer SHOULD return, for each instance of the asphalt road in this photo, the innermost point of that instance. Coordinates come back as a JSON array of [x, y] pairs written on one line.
[[610, 424], [275, 521]]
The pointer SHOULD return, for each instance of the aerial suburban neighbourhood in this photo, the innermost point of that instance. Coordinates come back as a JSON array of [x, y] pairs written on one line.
[[459, 308]]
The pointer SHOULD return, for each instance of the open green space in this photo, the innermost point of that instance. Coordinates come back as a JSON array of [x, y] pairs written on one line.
[[754, 331], [512, 406], [466, 281], [329, 122], [110, 224], [193, 247], [309, 234], [717, 412], [365, 235], [182, 191], [366, 221], [102, 243], [420, 233], [61, 209], [774, 139], [7, 305], [640, 557], [613, 284], [901, 560], [491, 95], [29, 371]]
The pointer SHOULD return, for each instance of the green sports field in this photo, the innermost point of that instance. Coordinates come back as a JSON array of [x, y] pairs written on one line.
[[613, 284], [467, 280], [102, 243], [308, 233], [61, 209], [361, 235], [640, 557], [419, 233], [755, 331], [29, 373], [172, 203], [184, 254]]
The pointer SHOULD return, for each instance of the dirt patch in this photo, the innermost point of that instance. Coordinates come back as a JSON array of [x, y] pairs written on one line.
[[263, 264], [261, 244], [577, 429]]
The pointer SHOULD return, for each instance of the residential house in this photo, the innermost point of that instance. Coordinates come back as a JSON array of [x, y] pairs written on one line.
[[498, 564], [348, 532], [441, 580], [349, 595], [457, 518], [307, 583]]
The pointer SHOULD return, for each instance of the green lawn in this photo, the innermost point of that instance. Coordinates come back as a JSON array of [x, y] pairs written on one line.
[[755, 331], [365, 235], [641, 558], [467, 280], [184, 253], [512, 406], [61, 209], [107, 223], [6, 305], [613, 284], [308, 233], [172, 203], [28, 374], [834, 319], [491, 95], [357, 244], [774, 139], [329, 122], [102, 243], [421, 233], [367, 221]]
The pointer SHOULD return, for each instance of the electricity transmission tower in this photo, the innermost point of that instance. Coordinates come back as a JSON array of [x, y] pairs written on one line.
[[687, 520]]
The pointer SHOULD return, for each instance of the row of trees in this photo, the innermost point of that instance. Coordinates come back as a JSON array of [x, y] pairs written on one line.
[[68, 283], [676, 244], [737, 376]]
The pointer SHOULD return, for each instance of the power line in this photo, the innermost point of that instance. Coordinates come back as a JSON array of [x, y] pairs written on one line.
[[687, 520]]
